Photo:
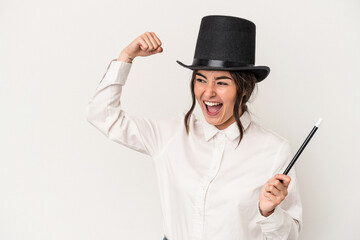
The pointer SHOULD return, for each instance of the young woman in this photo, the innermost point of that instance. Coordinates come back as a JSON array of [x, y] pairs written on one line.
[[218, 173]]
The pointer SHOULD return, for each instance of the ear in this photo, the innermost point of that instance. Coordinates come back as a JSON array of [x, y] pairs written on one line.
[[243, 96]]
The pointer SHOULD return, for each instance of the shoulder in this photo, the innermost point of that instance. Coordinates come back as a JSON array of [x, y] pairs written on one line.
[[195, 124], [162, 126], [267, 136], [193, 119], [276, 148]]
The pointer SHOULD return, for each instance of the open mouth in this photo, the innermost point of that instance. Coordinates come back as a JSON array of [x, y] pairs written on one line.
[[212, 108]]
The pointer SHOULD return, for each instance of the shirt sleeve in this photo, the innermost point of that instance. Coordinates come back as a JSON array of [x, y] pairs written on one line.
[[105, 112], [286, 220]]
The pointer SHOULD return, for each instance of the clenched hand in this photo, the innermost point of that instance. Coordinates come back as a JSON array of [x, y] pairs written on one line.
[[144, 45], [273, 193]]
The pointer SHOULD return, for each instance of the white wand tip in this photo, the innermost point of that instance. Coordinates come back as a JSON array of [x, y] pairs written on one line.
[[318, 122]]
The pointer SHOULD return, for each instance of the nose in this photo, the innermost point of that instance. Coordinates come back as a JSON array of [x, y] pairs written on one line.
[[210, 90]]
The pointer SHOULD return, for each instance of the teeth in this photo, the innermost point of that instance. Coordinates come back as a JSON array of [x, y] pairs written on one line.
[[211, 104]]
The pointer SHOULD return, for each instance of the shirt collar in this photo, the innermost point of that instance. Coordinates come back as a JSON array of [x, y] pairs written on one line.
[[231, 131]]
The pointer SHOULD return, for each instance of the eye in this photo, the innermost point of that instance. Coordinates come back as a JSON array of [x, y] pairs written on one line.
[[199, 80], [222, 83]]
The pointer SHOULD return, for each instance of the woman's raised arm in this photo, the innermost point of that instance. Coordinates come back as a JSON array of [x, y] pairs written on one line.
[[105, 112]]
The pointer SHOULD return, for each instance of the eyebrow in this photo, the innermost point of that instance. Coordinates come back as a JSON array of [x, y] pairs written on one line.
[[221, 77]]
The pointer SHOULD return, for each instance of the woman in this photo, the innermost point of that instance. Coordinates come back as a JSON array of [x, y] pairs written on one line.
[[218, 173]]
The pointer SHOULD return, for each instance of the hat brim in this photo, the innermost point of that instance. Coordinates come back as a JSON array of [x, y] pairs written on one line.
[[260, 72]]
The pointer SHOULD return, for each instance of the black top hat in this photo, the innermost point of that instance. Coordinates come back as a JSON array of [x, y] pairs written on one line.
[[226, 43]]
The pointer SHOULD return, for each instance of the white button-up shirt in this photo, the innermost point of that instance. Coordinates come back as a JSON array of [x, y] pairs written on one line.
[[209, 189]]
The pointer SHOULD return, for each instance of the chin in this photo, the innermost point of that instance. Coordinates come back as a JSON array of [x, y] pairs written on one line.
[[212, 121]]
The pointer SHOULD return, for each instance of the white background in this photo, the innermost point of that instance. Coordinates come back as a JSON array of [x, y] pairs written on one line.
[[62, 179]]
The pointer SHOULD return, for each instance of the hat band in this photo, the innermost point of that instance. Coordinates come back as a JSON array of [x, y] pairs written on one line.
[[218, 63]]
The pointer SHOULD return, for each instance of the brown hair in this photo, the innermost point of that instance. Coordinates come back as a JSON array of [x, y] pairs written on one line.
[[245, 83]]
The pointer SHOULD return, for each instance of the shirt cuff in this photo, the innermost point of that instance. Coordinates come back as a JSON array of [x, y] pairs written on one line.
[[117, 72], [272, 222]]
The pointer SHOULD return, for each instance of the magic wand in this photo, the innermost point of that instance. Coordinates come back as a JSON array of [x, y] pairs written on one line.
[[302, 147]]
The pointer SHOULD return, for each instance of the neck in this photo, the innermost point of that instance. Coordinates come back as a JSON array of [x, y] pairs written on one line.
[[228, 122]]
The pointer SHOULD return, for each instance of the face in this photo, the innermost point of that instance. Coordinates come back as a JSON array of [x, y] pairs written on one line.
[[215, 91]]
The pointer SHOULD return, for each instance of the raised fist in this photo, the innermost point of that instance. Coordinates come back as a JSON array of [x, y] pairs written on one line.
[[144, 45]]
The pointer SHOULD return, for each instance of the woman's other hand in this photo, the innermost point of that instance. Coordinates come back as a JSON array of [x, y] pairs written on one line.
[[144, 45], [273, 193]]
